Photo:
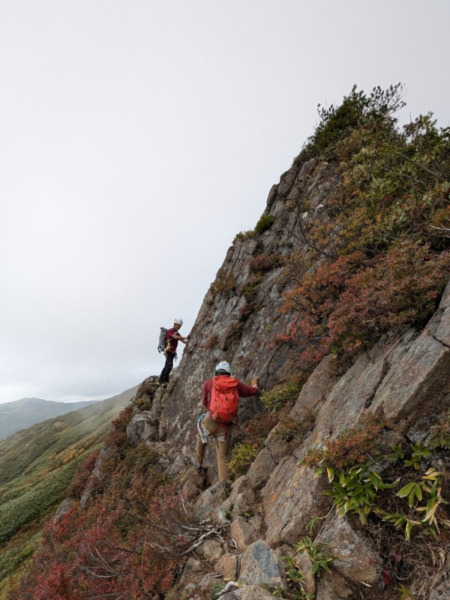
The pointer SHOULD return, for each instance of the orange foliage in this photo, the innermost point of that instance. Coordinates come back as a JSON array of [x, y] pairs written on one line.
[[346, 305], [353, 446]]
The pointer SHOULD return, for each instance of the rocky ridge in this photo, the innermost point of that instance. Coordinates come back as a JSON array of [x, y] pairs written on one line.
[[403, 380]]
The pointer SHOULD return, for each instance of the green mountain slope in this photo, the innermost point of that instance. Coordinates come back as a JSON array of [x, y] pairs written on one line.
[[26, 412], [37, 467]]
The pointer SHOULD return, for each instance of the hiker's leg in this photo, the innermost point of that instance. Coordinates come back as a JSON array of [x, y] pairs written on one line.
[[209, 424], [164, 377], [199, 450], [222, 458], [221, 434], [223, 437]]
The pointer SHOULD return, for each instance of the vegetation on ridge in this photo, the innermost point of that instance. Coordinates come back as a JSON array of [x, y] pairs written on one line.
[[37, 467], [378, 255], [129, 540]]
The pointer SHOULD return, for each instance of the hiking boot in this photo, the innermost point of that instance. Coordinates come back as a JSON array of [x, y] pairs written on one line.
[[196, 464]]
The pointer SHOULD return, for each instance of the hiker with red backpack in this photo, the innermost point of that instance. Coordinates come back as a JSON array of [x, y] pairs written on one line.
[[172, 338], [220, 398]]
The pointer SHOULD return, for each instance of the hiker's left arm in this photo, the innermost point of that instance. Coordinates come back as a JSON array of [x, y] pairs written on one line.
[[177, 336], [247, 390]]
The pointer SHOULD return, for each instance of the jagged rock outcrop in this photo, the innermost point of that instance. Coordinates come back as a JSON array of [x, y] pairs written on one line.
[[403, 380]]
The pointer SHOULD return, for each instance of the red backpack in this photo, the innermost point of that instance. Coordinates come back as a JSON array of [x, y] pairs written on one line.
[[224, 399]]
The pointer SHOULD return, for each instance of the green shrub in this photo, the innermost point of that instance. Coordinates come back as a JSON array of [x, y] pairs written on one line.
[[34, 503], [440, 433], [356, 110], [264, 223], [242, 457], [318, 552], [294, 431], [280, 395], [224, 282], [242, 236]]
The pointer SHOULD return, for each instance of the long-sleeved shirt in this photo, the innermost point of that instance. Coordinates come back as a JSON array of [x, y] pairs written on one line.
[[244, 391]]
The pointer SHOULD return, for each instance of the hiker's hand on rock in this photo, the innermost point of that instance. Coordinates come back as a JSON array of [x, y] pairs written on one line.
[[255, 382]]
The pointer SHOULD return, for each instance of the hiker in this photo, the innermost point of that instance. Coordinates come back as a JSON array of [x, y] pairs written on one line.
[[220, 425], [170, 351]]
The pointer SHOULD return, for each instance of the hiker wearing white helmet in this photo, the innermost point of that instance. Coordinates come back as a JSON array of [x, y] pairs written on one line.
[[170, 350], [220, 399]]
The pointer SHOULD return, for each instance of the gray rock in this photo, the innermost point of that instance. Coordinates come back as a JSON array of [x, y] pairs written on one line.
[[96, 478], [316, 389], [260, 564], [211, 550], [404, 400], [305, 567], [244, 532], [332, 586], [240, 504], [291, 498], [350, 396], [356, 560], [228, 566], [191, 568], [439, 326], [64, 508], [211, 499], [248, 592], [143, 427], [242, 484], [261, 469]]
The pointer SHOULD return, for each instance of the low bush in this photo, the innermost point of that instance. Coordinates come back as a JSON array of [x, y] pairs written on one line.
[[265, 222], [281, 395], [224, 282], [264, 263], [242, 457]]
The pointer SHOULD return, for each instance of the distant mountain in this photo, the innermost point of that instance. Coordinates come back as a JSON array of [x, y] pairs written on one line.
[[36, 470], [26, 412]]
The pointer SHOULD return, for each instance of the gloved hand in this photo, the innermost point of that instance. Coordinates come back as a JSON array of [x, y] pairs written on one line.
[[255, 382]]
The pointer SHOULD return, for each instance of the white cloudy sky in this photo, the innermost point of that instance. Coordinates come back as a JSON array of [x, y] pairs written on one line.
[[137, 137]]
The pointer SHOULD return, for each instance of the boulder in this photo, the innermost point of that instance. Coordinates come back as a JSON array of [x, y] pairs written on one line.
[[260, 564], [211, 499], [143, 427], [211, 550], [355, 559], [244, 532], [290, 499], [261, 469], [228, 566]]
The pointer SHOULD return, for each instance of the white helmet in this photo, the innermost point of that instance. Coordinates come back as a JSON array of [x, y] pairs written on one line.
[[178, 322], [223, 367]]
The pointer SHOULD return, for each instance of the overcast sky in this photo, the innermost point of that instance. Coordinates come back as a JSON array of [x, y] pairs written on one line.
[[137, 137]]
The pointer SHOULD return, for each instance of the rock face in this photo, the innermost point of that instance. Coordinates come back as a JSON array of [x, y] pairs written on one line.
[[405, 381]]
